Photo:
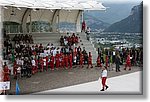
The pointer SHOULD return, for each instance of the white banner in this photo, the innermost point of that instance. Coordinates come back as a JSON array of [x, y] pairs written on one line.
[[5, 85]]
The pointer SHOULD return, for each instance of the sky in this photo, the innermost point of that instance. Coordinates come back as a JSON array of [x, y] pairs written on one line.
[[121, 1]]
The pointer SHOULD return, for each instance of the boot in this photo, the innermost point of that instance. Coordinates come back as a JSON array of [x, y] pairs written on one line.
[[106, 87], [102, 89]]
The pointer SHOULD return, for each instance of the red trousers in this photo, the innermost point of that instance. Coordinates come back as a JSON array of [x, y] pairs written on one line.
[[90, 63], [46, 65], [70, 63], [66, 63], [104, 81], [6, 77], [33, 69], [128, 64], [106, 64], [42, 67], [81, 63], [57, 64], [52, 65], [62, 64]]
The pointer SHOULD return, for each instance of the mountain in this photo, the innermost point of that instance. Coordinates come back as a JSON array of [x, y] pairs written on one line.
[[94, 23], [132, 24], [114, 12]]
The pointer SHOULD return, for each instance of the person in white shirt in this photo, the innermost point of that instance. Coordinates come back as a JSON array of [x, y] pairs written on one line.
[[104, 77], [33, 66]]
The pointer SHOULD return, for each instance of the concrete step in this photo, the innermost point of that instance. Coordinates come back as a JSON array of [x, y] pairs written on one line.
[[46, 38]]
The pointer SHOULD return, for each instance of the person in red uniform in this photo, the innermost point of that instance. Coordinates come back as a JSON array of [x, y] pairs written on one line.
[[83, 26], [128, 62], [70, 60], [81, 60], [57, 60], [75, 51], [76, 39], [73, 40], [36, 62], [41, 64], [52, 62], [66, 61], [104, 78], [69, 40], [106, 61], [46, 62], [99, 62], [61, 64], [6, 72], [15, 70], [90, 60]]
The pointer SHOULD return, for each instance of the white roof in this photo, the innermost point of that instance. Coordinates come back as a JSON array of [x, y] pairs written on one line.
[[55, 4]]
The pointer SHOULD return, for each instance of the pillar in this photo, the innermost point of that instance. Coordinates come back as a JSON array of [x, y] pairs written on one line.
[[78, 24], [55, 20], [1, 28], [24, 20], [1, 36]]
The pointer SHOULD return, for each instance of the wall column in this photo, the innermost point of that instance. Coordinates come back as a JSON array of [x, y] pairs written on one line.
[[24, 20], [55, 20], [78, 25], [1, 42], [1, 28]]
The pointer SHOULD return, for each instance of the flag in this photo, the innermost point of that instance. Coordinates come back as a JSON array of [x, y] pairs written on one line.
[[17, 88]]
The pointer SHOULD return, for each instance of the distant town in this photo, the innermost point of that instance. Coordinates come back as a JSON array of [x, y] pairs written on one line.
[[117, 40]]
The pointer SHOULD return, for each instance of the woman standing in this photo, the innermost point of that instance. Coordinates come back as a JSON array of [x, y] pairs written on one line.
[[104, 77]]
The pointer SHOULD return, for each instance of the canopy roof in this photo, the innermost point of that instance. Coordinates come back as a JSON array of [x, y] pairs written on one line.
[[55, 4]]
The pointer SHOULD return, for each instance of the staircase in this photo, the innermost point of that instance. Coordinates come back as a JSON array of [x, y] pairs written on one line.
[[89, 47], [54, 38], [46, 38]]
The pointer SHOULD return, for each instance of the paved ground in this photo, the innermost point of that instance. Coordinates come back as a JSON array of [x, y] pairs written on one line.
[[123, 84], [61, 78]]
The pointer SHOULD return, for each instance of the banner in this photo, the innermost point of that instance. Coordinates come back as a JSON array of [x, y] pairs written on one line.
[[5, 85]]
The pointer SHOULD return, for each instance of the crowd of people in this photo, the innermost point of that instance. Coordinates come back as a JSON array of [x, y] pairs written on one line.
[[18, 42], [28, 60], [69, 40], [124, 56]]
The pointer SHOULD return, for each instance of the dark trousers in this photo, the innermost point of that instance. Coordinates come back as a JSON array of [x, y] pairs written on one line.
[[117, 67]]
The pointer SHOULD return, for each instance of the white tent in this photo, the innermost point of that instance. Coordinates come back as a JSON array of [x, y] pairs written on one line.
[[57, 4], [52, 11]]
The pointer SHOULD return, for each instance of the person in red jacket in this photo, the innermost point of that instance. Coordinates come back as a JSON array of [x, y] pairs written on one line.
[[81, 60], [15, 70], [46, 62], [52, 59], [70, 60], [41, 64], [128, 62], [83, 26], [66, 61], [99, 62], [36, 62], [76, 39], [61, 60], [6, 72], [90, 60], [57, 59]]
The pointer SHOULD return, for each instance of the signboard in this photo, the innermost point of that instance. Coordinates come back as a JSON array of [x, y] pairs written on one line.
[[5, 85]]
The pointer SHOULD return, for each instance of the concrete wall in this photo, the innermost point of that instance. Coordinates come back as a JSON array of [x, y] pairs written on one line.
[[1, 26]]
